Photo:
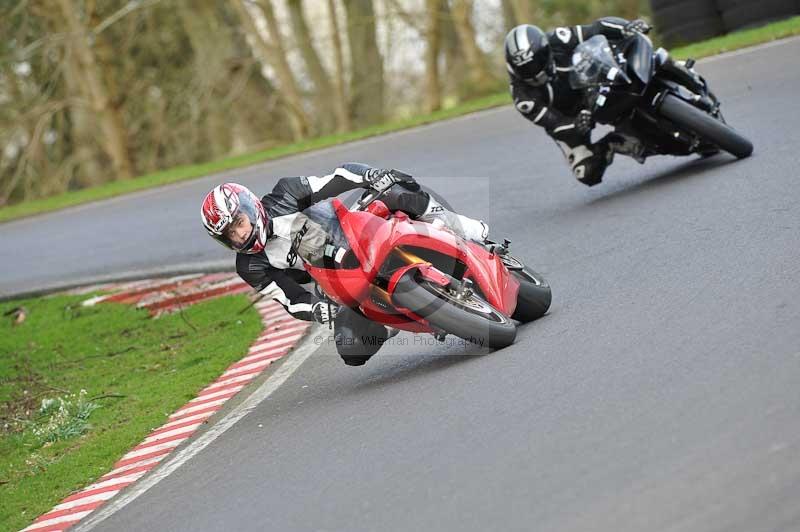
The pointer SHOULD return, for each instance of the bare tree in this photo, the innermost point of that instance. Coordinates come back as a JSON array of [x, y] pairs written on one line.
[[92, 91], [319, 76], [83, 128], [341, 104], [274, 52], [477, 63], [524, 11], [95, 91], [509, 16], [32, 107], [433, 34], [228, 93], [209, 80], [366, 63], [22, 156], [630, 9], [454, 68]]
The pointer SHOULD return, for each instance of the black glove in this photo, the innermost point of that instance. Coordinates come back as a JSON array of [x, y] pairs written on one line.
[[323, 312], [381, 179], [584, 122], [635, 26]]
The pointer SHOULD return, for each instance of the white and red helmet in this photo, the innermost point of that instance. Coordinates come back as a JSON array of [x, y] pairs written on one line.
[[227, 202]]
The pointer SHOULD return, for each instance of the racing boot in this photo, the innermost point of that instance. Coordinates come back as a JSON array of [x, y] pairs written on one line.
[[625, 145]]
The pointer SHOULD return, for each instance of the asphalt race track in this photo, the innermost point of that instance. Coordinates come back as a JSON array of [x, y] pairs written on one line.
[[660, 392]]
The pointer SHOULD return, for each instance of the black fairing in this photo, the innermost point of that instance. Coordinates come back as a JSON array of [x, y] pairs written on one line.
[[639, 54], [633, 108], [640, 67]]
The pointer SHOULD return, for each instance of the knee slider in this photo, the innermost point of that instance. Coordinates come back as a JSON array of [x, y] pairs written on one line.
[[588, 174]]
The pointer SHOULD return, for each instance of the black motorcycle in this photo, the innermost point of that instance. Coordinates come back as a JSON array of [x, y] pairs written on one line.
[[625, 87]]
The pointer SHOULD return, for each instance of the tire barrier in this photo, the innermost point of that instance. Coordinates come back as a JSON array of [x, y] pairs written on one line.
[[741, 14], [685, 21]]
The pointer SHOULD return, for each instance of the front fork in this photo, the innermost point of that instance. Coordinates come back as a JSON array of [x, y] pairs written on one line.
[[688, 78]]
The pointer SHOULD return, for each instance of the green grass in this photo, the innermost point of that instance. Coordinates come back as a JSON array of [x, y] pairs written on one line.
[[777, 30], [138, 370], [741, 39]]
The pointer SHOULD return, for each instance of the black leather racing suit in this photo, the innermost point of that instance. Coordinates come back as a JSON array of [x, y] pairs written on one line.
[[555, 105]]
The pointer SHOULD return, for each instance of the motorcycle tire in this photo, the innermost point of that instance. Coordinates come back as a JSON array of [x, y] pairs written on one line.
[[708, 128], [534, 297], [471, 319]]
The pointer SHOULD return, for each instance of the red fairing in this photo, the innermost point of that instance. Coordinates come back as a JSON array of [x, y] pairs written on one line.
[[347, 287], [379, 209], [373, 238]]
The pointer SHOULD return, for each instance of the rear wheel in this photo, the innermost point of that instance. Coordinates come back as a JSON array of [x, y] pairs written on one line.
[[469, 317], [708, 128]]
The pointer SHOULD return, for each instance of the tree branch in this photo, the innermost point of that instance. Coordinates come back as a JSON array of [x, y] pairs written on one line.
[[407, 18], [131, 6]]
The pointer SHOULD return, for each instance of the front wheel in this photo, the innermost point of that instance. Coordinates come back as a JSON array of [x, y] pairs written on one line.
[[470, 318], [534, 296], [708, 128]]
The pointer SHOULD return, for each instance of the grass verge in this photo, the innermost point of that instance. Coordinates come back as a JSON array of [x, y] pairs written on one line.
[[734, 41], [135, 369], [741, 39]]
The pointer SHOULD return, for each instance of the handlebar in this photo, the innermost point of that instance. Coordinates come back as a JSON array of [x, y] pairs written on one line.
[[363, 203]]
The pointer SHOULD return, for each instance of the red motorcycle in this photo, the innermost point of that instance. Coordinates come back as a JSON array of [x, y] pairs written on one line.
[[418, 277]]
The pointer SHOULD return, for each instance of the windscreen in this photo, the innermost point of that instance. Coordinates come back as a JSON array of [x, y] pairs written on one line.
[[593, 64]]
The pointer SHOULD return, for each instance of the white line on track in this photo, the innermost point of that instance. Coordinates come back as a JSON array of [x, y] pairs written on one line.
[[304, 350]]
